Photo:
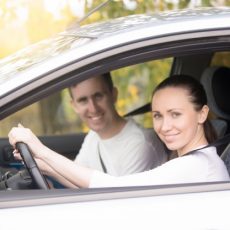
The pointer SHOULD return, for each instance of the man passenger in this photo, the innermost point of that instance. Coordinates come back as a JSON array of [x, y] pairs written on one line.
[[115, 145]]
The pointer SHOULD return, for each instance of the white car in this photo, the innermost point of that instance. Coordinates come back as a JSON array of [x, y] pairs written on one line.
[[142, 50]]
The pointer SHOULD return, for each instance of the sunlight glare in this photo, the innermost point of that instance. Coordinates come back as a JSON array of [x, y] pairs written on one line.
[[22, 13], [77, 7], [55, 7]]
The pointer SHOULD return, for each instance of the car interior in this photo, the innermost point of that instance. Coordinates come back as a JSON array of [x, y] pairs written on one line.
[[56, 128], [216, 81]]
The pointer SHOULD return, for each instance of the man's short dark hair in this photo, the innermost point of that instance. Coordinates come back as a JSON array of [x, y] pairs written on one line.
[[107, 79]]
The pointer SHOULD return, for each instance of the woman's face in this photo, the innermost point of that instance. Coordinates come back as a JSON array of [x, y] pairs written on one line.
[[176, 121]]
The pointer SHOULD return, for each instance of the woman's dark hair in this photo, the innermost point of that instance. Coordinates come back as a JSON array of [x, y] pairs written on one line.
[[197, 95]]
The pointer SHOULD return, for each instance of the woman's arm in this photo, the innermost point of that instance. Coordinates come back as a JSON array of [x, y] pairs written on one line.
[[47, 170]]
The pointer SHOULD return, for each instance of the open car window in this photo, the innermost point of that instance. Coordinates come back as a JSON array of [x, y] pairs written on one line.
[[54, 115]]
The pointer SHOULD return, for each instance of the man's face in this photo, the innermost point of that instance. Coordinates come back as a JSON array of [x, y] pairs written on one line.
[[94, 102]]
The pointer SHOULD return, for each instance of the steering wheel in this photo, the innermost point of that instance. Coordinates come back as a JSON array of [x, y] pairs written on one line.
[[31, 166]]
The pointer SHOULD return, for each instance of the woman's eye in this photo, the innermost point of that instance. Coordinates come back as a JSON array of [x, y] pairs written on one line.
[[156, 116], [175, 115]]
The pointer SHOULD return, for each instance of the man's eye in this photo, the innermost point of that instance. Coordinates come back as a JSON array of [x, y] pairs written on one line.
[[82, 101], [98, 96]]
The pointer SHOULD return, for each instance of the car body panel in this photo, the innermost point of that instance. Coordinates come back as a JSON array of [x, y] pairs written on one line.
[[125, 209]]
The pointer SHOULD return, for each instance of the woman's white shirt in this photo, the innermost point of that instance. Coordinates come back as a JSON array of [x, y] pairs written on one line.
[[201, 166]]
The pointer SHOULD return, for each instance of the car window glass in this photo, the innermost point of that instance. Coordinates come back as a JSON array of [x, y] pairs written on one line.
[[54, 114]]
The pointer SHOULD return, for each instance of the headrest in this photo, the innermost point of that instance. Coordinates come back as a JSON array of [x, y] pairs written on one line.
[[216, 82]]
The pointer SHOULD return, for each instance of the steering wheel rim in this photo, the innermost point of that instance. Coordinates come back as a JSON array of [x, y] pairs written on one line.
[[31, 166]]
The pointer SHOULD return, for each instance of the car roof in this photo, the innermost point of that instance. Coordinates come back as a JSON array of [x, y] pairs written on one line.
[[77, 43]]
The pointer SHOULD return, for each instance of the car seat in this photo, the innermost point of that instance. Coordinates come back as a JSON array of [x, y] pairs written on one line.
[[216, 82]]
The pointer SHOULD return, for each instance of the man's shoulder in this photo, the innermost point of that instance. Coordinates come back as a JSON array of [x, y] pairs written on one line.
[[139, 133], [132, 124], [91, 135], [150, 136]]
